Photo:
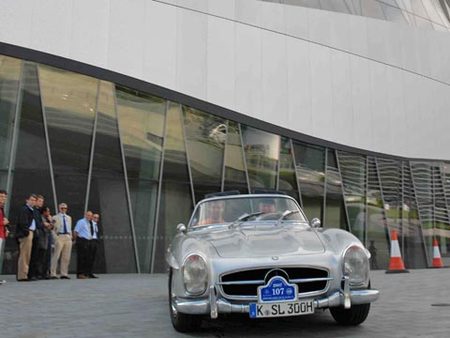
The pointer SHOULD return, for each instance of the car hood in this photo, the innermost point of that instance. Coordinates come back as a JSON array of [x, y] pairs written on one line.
[[257, 242]]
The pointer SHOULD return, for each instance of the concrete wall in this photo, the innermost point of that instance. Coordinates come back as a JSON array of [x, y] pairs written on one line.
[[353, 80]]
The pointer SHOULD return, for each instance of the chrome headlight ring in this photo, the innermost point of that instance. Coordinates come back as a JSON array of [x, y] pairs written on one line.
[[195, 274], [356, 266]]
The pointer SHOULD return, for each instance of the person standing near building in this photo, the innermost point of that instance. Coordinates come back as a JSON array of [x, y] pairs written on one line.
[[48, 222], [63, 243], [84, 232], [93, 246], [39, 242], [26, 225], [3, 227]]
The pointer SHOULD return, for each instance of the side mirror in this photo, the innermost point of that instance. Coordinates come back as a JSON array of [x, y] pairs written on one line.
[[181, 228], [315, 223]]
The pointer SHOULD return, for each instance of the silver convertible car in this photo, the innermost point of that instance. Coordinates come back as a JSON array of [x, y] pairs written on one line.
[[258, 255]]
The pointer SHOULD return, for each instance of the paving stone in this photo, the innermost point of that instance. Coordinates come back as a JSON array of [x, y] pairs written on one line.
[[130, 305]]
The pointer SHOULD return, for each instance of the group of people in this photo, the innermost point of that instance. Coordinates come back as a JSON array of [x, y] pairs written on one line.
[[45, 241]]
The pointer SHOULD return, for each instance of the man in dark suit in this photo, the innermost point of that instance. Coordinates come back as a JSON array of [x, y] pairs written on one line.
[[26, 225], [38, 253]]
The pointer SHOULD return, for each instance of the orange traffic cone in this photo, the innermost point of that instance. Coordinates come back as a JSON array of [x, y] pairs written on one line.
[[437, 260], [396, 261]]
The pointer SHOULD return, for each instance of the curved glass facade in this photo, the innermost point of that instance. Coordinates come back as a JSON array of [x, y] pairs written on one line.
[[142, 162], [432, 14]]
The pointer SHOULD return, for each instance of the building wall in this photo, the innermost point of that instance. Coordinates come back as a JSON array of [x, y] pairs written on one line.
[[348, 79], [251, 93]]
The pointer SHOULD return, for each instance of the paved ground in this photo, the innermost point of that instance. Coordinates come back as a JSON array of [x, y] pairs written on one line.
[[136, 306]]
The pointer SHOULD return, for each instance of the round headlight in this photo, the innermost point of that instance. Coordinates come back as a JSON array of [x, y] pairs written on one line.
[[356, 266], [195, 275]]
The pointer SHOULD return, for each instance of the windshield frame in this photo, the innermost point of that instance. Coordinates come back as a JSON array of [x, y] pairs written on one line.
[[191, 227]]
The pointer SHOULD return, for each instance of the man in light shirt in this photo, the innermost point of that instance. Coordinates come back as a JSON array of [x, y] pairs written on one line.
[[85, 233], [63, 242], [26, 225]]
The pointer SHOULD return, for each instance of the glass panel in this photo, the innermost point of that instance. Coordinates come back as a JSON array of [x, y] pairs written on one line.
[[206, 136], [287, 181], [390, 178], [31, 170], [141, 121], [372, 9], [334, 6], [176, 199], [421, 16], [441, 220], [310, 168], [444, 243], [377, 230], [261, 153], [432, 14], [9, 87], [422, 180], [235, 176], [412, 239], [335, 216], [353, 173], [395, 14], [69, 101], [442, 12], [107, 191]]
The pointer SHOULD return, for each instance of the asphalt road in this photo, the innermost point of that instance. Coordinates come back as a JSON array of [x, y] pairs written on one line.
[[411, 305]]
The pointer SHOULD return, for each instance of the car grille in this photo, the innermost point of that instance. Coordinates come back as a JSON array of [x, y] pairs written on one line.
[[245, 283]]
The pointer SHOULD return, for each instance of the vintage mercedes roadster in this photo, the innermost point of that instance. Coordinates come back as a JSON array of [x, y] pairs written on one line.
[[258, 255]]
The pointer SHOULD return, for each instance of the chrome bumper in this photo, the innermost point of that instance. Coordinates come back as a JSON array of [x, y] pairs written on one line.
[[214, 305]]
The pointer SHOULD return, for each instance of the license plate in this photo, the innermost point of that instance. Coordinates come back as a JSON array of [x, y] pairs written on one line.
[[266, 310]]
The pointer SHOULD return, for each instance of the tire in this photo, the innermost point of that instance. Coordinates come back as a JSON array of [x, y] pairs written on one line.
[[182, 322], [350, 317]]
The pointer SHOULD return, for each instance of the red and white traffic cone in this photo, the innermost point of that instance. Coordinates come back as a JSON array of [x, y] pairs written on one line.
[[437, 260], [396, 262]]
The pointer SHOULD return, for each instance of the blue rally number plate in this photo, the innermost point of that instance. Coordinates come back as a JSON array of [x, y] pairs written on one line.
[[277, 290]]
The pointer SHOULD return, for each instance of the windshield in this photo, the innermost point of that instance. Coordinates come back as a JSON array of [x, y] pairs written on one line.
[[262, 208]]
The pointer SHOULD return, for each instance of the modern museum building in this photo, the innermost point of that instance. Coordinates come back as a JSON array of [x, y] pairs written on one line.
[[137, 109]]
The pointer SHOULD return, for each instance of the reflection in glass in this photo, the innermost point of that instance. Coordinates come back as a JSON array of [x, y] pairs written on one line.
[[69, 101], [31, 169], [444, 240], [107, 191], [353, 173], [335, 214], [310, 169], [206, 136], [287, 181], [421, 173], [235, 174], [440, 213], [261, 153], [176, 200], [390, 178], [377, 229], [141, 122], [412, 240], [9, 87]]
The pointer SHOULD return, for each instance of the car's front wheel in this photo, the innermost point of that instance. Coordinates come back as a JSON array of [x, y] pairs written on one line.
[[181, 322], [351, 317]]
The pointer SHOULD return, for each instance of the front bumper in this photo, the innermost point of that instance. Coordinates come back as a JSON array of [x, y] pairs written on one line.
[[214, 305]]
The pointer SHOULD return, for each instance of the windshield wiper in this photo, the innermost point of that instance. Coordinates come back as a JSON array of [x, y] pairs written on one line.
[[286, 214], [244, 218]]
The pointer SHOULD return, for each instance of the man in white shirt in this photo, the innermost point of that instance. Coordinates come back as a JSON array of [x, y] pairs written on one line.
[[63, 242], [84, 233]]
